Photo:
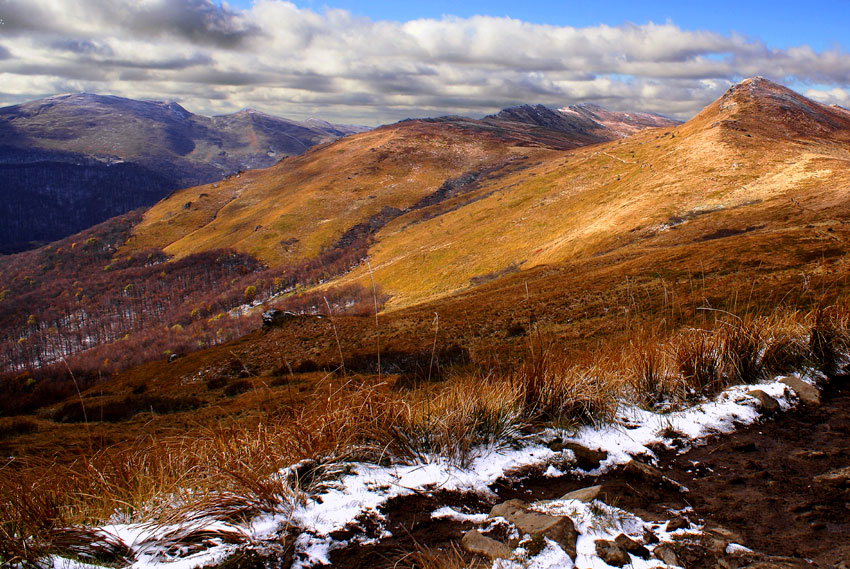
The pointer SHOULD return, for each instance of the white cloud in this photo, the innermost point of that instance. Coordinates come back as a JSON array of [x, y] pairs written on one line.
[[298, 62], [835, 96]]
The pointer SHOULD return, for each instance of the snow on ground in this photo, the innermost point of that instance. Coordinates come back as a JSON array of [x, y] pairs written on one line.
[[366, 487]]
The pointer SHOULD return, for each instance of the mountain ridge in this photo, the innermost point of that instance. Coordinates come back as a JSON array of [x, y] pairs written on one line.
[[61, 155]]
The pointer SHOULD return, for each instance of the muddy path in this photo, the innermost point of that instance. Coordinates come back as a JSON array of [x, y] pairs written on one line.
[[756, 487]]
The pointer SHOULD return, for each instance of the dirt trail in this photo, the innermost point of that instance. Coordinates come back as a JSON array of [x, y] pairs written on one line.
[[756, 486]]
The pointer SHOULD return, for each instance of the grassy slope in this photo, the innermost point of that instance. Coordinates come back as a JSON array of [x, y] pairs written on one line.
[[304, 204], [600, 277], [735, 166], [727, 168]]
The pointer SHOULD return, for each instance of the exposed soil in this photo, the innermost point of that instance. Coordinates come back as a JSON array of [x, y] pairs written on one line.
[[754, 487]]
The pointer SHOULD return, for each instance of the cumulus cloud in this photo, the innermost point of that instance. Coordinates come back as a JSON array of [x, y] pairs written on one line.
[[298, 62]]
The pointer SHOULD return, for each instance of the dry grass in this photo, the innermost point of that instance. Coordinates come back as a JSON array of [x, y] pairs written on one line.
[[450, 558], [233, 473]]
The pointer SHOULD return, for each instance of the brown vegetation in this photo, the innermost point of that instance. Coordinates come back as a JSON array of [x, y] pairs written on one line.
[[227, 471], [657, 269]]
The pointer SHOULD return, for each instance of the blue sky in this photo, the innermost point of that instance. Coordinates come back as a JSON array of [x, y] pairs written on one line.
[[821, 24], [370, 62]]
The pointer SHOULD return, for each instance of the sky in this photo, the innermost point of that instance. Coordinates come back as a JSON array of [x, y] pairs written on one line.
[[371, 62]]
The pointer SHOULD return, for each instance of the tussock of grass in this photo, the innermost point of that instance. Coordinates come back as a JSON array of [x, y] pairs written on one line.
[[234, 473], [450, 558]]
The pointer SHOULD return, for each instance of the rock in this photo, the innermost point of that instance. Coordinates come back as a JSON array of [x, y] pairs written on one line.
[[768, 403], [507, 509], [587, 459], [273, 317], [584, 494], [808, 394], [475, 542], [611, 553], [737, 549], [637, 470], [666, 554], [838, 477], [559, 529], [677, 523], [631, 546], [715, 539], [728, 563]]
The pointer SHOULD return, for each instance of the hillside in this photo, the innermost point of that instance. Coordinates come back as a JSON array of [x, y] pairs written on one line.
[[71, 161], [543, 311], [751, 165], [358, 185]]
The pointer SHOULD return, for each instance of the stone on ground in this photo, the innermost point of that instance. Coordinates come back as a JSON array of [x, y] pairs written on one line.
[[768, 403], [840, 477], [587, 459], [559, 529], [808, 394], [667, 554], [479, 544], [611, 553], [584, 494], [631, 546]]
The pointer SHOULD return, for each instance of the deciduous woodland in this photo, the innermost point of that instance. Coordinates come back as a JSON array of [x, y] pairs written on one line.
[[72, 308]]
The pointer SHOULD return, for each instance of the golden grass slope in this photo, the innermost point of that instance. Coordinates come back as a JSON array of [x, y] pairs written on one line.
[[304, 204], [750, 161], [761, 152]]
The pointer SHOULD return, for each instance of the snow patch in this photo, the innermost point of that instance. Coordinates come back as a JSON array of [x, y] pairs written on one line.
[[368, 486]]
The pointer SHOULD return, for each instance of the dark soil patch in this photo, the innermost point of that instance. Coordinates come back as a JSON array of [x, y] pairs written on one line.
[[757, 485]]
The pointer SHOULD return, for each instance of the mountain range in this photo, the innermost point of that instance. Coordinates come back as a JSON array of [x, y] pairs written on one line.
[[70, 161], [466, 217], [561, 285]]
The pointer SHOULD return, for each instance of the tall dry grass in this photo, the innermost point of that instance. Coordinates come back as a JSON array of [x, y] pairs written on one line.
[[268, 463]]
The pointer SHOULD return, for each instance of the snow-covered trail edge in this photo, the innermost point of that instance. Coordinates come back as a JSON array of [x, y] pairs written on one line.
[[367, 487]]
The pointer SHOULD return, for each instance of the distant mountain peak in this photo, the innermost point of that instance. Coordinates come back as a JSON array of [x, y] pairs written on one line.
[[759, 105], [75, 159], [583, 119]]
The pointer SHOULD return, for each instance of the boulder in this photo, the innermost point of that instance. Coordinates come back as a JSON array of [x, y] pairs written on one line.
[[631, 546], [808, 394], [677, 523], [586, 459], [559, 529], [667, 554], [584, 494], [508, 509], [274, 317], [637, 470], [612, 554], [768, 403], [479, 544]]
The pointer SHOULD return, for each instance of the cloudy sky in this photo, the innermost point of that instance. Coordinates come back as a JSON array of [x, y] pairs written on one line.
[[372, 62]]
